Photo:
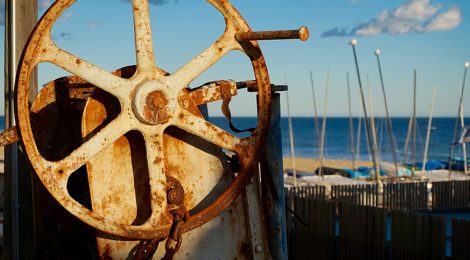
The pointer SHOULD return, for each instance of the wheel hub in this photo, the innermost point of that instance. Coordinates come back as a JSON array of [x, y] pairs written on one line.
[[152, 103]]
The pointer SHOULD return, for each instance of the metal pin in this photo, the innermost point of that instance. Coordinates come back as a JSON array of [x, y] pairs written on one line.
[[302, 34]]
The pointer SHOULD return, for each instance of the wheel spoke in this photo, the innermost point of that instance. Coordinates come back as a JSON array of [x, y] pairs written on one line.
[[143, 36], [91, 147], [191, 70], [207, 131], [89, 72], [156, 167]]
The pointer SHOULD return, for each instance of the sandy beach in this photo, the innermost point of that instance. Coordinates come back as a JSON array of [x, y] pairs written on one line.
[[311, 164]]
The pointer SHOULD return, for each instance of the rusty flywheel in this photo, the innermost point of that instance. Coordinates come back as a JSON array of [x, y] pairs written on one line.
[[150, 101]]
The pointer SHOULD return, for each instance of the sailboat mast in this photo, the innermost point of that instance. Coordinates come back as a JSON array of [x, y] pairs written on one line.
[[372, 117], [317, 124], [351, 127], [407, 140], [323, 130], [428, 133], [466, 65], [389, 121], [464, 147], [414, 126], [371, 146], [358, 149], [291, 137]]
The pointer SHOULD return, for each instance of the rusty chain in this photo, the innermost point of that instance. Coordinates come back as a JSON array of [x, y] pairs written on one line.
[[180, 216], [175, 197], [145, 249]]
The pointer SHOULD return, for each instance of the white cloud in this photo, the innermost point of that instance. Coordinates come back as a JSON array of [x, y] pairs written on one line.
[[413, 16], [416, 10], [444, 21], [369, 30]]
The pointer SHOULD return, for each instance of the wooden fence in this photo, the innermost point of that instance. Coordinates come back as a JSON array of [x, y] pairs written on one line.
[[450, 194], [417, 236], [405, 196], [313, 192], [331, 230], [394, 196], [460, 239], [312, 228], [362, 232], [357, 194]]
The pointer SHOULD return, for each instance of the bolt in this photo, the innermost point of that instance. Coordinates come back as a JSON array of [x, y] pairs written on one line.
[[258, 248], [156, 110], [175, 192]]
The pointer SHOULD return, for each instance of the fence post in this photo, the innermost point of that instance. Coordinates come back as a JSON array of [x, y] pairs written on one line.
[[380, 195], [430, 195], [328, 192]]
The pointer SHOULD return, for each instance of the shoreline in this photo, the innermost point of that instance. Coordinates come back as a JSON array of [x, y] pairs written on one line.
[[311, 164]]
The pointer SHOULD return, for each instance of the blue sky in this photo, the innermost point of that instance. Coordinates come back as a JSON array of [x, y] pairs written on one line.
[[431, 36]]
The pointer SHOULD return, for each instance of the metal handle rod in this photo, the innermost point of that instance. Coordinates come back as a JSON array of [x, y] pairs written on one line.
[[302, 34]]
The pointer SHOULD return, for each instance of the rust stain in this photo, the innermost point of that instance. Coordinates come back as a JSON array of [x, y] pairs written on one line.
[[175, 192], [213, 91], [155, 109], [9, 136], [108, 251], [157, 160], [189, 198], [245, 250]]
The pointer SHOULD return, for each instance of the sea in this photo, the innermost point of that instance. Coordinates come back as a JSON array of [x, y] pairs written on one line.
[[337, 140]]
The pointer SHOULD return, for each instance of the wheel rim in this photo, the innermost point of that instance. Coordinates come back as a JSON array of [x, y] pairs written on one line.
[[54, 175]]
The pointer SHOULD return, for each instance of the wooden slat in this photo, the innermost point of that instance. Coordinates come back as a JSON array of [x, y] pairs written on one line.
[[460, 239]]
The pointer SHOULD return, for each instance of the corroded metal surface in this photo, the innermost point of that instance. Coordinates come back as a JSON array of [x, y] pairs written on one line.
[[302, 34], [56, 118], [116, 171], [132, 94], [9, 136], [213, 91]]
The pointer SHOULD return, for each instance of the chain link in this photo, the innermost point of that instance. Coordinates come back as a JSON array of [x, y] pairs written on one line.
[[145, 249], [180, 216]]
